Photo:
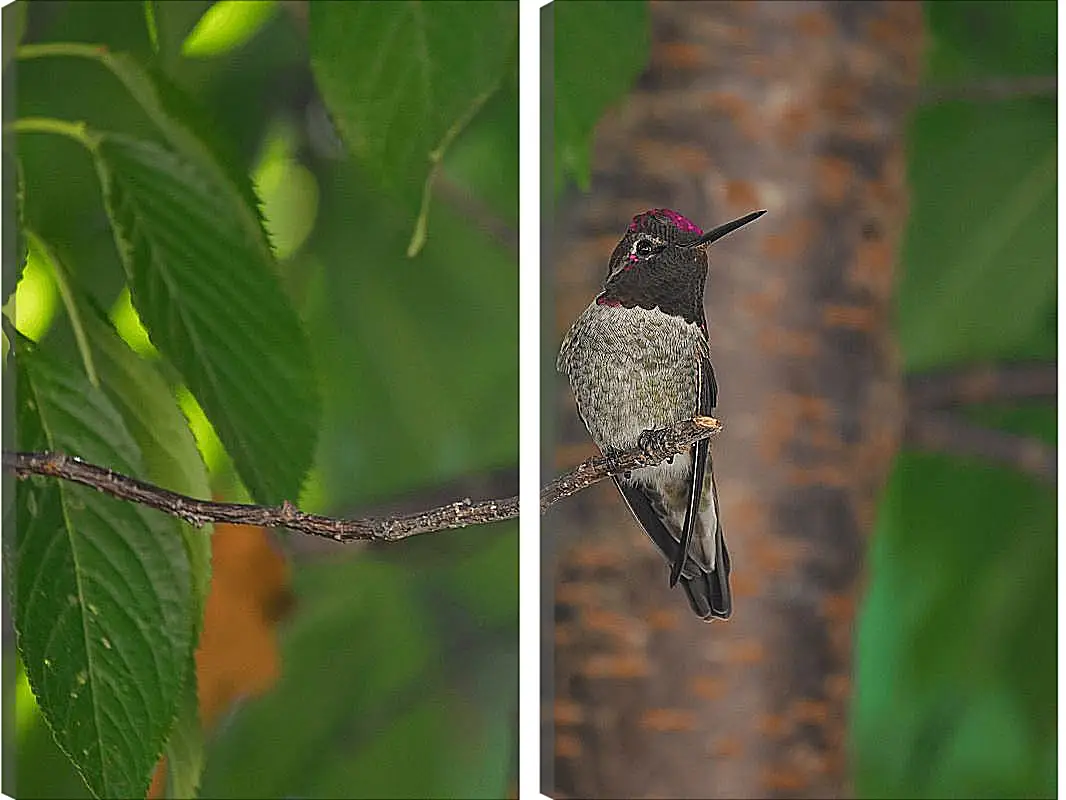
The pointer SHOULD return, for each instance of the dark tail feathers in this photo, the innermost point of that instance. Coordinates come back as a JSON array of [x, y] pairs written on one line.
[[709, 596], [708, 593]]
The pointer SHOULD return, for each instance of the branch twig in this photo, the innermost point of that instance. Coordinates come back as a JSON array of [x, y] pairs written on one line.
[[991, 89], [945, 432], [657, 446], [983, 383]]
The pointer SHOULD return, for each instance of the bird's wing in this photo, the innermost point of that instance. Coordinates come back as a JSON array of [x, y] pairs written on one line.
[[706, 397]]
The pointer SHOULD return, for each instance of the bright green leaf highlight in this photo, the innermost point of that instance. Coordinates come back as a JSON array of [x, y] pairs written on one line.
[[103, 600], [66, 292], [227, 25], [207, 441], [26, 709], [290, 195], [313, 498], [128, 325], [36, 297]]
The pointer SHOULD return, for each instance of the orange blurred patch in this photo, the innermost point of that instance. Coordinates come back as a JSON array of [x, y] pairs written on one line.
[[671, 720], [238, 652], [664, 619], [681, 56], [834, 177], [815, 23], [859, 318], [567, 746], [791, 243], [741, 194], [746, 651], [612, 666], [568, 713], [596, 556]]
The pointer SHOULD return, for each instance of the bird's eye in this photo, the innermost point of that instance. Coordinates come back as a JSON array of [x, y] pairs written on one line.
[[644, 247]]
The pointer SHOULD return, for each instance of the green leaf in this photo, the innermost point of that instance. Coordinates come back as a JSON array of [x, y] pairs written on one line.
[[103, 599], [178, 119], [158, 426], [172, 461], [226, 25], [979, 261], [402, 80], [211, 301], [192, 135], [600, 49]]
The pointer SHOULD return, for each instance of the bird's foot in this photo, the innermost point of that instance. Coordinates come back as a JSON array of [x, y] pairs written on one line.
[[651, 443]]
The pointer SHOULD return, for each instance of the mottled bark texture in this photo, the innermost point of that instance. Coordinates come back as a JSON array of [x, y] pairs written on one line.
[[802, 109]]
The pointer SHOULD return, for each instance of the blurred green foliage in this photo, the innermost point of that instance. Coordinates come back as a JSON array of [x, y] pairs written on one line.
[[417, 683], [399, 665], [956, 650], [615, 37]]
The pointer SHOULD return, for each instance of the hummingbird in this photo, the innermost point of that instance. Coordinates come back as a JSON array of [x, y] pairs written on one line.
[[638, 359]]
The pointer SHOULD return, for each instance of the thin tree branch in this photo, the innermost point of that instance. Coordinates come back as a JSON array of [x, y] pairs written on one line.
[[944, 432], [655, 446], [478, 212], [991, 89], [983, 383]]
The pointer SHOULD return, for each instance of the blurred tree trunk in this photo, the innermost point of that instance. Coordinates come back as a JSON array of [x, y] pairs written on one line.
[[802, 109]]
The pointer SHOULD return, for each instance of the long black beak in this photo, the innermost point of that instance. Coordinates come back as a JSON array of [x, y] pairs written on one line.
[[724, 230]]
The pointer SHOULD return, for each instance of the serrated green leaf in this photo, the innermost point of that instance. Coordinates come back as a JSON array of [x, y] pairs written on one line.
[[183, 125], [171, 460], [413, 81], [159, 428], [103, 600], [212, 304], [600, 49]]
